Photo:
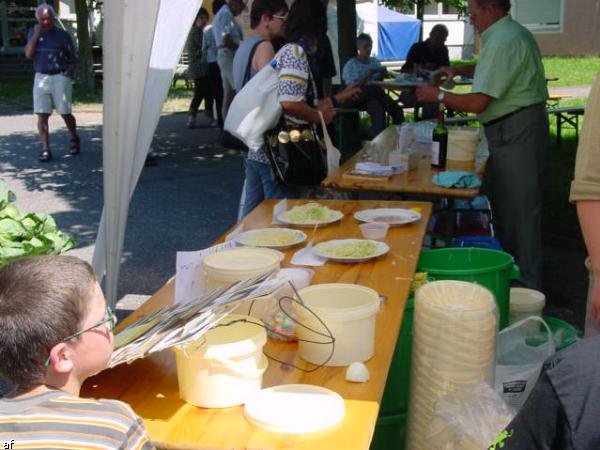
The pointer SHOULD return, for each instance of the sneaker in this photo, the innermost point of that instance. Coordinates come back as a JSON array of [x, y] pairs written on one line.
[[191, 123], [213, 124]]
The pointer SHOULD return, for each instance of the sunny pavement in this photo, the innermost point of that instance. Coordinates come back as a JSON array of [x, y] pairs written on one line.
[[184, 202]]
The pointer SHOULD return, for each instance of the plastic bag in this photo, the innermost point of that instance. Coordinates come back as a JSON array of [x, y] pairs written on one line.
[[519, 360], [468, 419]]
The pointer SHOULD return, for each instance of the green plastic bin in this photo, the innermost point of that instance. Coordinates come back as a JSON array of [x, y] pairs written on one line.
[[492, 269], [390, 431]]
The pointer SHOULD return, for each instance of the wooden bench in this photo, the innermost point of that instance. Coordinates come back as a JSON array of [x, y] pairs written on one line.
[[566, 115]]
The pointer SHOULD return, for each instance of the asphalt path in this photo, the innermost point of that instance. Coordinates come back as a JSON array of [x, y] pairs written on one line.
[[184, 202]]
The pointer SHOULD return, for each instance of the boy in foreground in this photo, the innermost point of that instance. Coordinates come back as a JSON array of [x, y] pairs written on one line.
[[56, 331]]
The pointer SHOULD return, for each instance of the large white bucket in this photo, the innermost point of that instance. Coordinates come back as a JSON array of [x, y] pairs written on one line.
[[225, 367], [224, 268], [525, 303], [348, 310], [463, 143]]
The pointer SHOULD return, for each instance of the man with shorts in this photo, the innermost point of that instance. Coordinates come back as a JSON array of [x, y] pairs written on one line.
[[54, 61]]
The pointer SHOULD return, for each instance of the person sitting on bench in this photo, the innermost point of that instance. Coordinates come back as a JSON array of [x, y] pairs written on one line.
[[364, 68]]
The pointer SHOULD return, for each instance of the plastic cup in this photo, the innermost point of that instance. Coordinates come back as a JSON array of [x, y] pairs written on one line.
[[374, 230]]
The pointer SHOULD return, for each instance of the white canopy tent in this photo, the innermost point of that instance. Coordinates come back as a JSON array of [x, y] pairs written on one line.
[[142, 43]]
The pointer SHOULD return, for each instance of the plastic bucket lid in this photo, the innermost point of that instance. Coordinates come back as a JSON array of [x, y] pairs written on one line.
[[339, 301], [525, 300], [295, 409], [241, 263]]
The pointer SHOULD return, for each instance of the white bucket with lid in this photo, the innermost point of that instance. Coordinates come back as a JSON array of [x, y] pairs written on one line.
[[524, 303], [225, 268], [463, 143], [349, 312], [225, 367]]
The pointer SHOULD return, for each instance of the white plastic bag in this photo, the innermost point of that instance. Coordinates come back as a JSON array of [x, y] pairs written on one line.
[[256, 108], [519, 360], [468, 419]]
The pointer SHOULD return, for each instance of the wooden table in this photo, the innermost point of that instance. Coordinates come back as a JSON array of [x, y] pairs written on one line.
[[410, 182], [150, 385]]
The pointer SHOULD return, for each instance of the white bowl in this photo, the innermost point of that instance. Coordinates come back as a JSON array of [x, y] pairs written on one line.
[[374, 230]]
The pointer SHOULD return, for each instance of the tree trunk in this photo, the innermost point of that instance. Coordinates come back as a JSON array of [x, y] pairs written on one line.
[[84, 70], [420, 15], [346, 11]]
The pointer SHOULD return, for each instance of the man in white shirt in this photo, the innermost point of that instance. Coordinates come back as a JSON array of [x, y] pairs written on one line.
[[228, 34]]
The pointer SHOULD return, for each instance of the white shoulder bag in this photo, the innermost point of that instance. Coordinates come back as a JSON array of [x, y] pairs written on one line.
[[256, 108]]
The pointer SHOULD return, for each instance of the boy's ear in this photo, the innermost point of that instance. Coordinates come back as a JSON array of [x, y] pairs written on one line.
[[60, 359]]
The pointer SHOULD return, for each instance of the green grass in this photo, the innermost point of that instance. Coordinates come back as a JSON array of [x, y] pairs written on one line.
[[574, 71], [21, 91]]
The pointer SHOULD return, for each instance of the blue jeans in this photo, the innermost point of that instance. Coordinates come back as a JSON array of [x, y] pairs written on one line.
[[261, 185]]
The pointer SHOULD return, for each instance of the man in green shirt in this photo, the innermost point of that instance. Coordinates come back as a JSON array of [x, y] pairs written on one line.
[[509, 94]]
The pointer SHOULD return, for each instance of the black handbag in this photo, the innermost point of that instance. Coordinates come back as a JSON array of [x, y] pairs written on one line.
[[296, 154]]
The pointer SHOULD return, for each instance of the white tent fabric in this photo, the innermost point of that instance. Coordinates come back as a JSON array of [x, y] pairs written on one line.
[[142, 43], [367, 22]]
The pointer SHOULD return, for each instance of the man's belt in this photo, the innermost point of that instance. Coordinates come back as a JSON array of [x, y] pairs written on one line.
[[506, 116], [52, 72]]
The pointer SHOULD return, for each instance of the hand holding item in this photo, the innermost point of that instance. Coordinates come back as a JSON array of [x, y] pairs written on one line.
[[327, 111], [596, 299], [427, 94]]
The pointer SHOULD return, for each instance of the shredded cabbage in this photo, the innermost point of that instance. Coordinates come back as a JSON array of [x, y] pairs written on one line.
[[354, 249], [310, 213]]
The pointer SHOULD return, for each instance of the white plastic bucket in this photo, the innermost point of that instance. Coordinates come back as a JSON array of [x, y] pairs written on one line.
[[463, 143], [348, 310], [225, 367], [224, 268], [526, 303]]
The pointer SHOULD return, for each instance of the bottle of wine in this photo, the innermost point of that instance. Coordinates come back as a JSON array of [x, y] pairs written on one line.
[[439, 145]]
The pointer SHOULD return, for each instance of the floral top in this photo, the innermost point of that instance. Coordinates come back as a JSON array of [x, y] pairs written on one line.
[[296, 84]]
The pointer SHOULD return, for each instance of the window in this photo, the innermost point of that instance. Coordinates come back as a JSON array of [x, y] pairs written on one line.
[[439, 9], [538, 15]]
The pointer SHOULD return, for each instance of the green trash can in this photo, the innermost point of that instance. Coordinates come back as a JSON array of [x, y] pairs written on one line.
[[492, 269], [390, 431]]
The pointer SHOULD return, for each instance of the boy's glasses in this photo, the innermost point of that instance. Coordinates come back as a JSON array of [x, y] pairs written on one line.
[[282, 18], [109, 321]]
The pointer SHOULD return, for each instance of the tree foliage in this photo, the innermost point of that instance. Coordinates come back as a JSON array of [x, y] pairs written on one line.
[[409, 6]]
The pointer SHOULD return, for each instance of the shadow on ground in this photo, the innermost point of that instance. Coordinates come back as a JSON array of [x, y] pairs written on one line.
[[183, 203]]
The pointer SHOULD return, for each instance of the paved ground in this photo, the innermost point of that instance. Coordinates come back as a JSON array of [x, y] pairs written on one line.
[[183, 203]]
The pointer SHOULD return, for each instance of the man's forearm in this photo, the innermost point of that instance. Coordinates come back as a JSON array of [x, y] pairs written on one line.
[[229, 43], [473, 103], [31, 46]]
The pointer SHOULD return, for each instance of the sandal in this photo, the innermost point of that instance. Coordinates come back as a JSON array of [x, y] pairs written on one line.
[[46, 155], [75, 146]]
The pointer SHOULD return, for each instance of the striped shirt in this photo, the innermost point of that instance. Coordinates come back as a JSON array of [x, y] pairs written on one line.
[[58, 420]]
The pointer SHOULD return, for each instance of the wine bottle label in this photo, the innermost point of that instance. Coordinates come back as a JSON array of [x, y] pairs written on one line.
[[435, 153]]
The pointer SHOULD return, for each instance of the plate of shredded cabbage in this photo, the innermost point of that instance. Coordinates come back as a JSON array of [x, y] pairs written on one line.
[[309, 215], [392, 216], [351, 250], [277, 238]]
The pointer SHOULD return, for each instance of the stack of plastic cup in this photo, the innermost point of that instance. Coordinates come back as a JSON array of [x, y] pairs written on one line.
[[455, 328]]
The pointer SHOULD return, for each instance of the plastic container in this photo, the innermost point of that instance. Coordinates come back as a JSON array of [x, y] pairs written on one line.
[[348, 310], [225, 268], [225, 367], [374, 230], [390, 433], [490, 268], [524, 303], [463, 143], [564, 333], [262, 307]]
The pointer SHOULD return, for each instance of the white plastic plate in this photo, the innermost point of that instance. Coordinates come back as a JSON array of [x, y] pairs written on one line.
[[391, 216]]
